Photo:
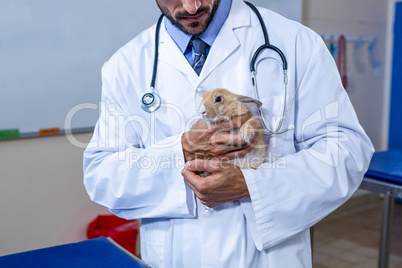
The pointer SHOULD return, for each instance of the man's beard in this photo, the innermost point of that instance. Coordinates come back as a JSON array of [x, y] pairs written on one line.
[[193, 25]]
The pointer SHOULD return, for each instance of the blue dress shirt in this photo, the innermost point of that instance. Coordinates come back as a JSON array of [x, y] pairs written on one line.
[[182, 39]]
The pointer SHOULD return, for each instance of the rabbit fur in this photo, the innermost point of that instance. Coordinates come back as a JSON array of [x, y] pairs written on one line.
[[220, 105]]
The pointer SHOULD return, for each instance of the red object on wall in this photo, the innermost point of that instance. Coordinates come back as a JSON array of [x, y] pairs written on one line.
[[342, 60], [123, 232]]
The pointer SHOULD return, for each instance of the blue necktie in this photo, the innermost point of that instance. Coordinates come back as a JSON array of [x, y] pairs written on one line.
[[200, 52]]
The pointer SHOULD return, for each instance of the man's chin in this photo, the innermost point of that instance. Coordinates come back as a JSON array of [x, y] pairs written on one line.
[[193, 29], [196, 31]]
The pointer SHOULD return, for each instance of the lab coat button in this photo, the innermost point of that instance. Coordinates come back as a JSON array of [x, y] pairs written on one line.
[[200, 91], [208, 211]]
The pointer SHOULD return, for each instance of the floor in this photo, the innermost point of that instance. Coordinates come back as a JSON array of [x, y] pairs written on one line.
[[349, 237]]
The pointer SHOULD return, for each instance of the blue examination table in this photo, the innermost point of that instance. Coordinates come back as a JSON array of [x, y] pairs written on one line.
[[385, 176], [99, 252]]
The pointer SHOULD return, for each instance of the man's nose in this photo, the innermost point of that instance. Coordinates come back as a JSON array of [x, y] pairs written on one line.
[[191, 6]]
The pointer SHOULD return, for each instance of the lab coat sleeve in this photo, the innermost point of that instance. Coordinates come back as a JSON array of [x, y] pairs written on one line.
[[331, 155], [121, 174]]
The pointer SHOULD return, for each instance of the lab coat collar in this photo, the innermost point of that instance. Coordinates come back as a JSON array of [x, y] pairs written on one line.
[[170, 54], [227, 41], [240, 14], [225, 44]]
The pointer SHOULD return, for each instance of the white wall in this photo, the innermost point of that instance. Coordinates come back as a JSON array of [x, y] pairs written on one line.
[[360, 17], [292, 9], [42, 198]]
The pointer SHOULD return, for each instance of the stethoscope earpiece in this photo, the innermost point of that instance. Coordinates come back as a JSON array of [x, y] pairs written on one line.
[[150, 102]]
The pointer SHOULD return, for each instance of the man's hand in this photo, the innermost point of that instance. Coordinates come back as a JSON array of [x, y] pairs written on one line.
[[207, 141], [224, 184]]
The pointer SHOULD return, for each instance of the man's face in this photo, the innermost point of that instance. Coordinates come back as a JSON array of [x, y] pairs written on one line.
[[190, 16]]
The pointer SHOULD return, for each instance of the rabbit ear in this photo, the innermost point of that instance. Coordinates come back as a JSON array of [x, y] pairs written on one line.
[[248, 101]]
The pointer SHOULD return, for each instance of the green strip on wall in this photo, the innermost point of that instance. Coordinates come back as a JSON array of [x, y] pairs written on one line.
[[9, 134]]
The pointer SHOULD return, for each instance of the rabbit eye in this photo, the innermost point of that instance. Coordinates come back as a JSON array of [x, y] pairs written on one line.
[[218, 99]]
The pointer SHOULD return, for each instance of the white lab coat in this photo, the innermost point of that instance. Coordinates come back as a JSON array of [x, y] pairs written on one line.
[[133, 164]]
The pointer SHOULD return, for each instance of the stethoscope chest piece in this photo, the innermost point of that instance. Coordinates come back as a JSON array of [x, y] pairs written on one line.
[[150, 102]]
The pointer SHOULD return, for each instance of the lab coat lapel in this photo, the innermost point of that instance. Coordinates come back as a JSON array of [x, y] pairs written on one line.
[[170, 54], [227, 41], [223, 46]]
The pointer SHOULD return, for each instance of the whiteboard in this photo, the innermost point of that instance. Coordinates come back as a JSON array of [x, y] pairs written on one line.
[[52, 52]]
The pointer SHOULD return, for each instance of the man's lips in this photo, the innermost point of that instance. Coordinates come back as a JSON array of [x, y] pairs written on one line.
[[193, 18]]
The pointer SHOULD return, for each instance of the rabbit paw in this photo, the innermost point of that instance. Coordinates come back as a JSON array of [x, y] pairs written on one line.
[[247, 132]]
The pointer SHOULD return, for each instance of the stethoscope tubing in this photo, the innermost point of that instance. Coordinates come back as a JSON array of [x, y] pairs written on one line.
[[155, 68], [261, 49], [267, 45]]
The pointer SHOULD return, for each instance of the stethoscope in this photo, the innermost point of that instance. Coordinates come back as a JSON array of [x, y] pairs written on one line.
[[151, 101]]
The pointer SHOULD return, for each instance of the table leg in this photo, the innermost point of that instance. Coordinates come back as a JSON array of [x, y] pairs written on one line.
[[312, 241], [389, 203]]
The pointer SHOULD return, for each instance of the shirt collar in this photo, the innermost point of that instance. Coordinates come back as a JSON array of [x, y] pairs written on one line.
[[182, 39]]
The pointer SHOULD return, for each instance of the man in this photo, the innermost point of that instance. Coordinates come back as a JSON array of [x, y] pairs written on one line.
[[260, 218]]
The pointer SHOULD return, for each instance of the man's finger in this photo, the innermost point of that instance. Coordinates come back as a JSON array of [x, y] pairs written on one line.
[[236, 154], [235, 123], [226, 146], [189, 176], [224, 138], [202, 165], [198, 184]]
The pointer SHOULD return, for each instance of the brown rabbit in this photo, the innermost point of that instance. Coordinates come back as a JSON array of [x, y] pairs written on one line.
[[220, 105]]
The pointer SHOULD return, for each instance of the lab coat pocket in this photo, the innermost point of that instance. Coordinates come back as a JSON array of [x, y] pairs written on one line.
[[278, 117], [153, 233]]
